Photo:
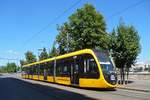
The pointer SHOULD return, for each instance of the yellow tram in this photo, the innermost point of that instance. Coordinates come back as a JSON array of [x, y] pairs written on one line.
[[83, 68]]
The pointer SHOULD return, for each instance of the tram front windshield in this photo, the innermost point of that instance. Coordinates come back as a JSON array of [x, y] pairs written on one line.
[[107, 67], [105, 61]]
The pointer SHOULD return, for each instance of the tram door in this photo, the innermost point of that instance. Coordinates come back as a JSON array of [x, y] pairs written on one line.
[[75, 72], [45, 68], [45, 74]]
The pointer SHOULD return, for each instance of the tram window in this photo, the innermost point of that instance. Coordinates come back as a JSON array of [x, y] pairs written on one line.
[[38, 69], [24, 71], [85, 66], [50, 68], [76, 68], [30, 70], [66, 66], [58, 68], [44, 65], [41, 69], [63, 67], [89, 67], [80, 63], [34, 70]]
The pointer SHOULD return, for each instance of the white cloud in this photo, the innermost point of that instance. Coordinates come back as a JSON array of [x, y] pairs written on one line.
[[12, 52]]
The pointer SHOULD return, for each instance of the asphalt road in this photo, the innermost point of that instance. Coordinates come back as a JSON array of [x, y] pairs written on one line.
[[15, 89], [12, 88]]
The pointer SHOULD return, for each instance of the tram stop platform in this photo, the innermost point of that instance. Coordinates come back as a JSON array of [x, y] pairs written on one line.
[[136, 85]]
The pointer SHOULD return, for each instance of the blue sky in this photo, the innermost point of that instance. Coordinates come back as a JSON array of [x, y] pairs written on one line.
[[21, 19]]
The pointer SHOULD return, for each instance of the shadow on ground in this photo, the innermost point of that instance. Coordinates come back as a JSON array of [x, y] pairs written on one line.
[[92, 89], [15, 89], [126, 82]]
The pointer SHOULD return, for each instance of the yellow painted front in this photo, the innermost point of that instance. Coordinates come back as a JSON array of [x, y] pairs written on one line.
[[97, 83], [41, 77], [63, 80], [83, 82], [94, 83], [35, 77], [50, 78]]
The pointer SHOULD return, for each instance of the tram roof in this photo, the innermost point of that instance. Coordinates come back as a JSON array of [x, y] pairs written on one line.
[[60, 57]]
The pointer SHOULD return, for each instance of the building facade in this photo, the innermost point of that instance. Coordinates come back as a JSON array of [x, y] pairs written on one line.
[[141, 67]]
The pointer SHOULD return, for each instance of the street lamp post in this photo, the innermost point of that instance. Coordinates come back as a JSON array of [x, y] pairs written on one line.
[[39, 50]]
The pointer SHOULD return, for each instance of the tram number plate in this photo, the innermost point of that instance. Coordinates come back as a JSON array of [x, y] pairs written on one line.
[[112, 77]]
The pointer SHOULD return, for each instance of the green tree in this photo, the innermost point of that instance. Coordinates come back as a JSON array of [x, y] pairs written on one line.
[[125, 47], [3, 69], [11, 67], [43, 54], [22, 62], [86, 28], [53, 51], [64, 39], [30, 57]]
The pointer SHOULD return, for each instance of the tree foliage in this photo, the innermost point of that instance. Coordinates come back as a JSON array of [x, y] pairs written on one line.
[[30, 57], [86, 28], [9, 68], [3, 69], [43, 54], [22, 62], [53, 51], [125, 46]]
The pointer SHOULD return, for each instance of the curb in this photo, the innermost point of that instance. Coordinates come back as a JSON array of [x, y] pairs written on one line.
[[134, 89]]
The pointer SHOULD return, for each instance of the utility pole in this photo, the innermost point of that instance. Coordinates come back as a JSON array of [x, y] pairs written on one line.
[[67, 42], [39, 52]]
